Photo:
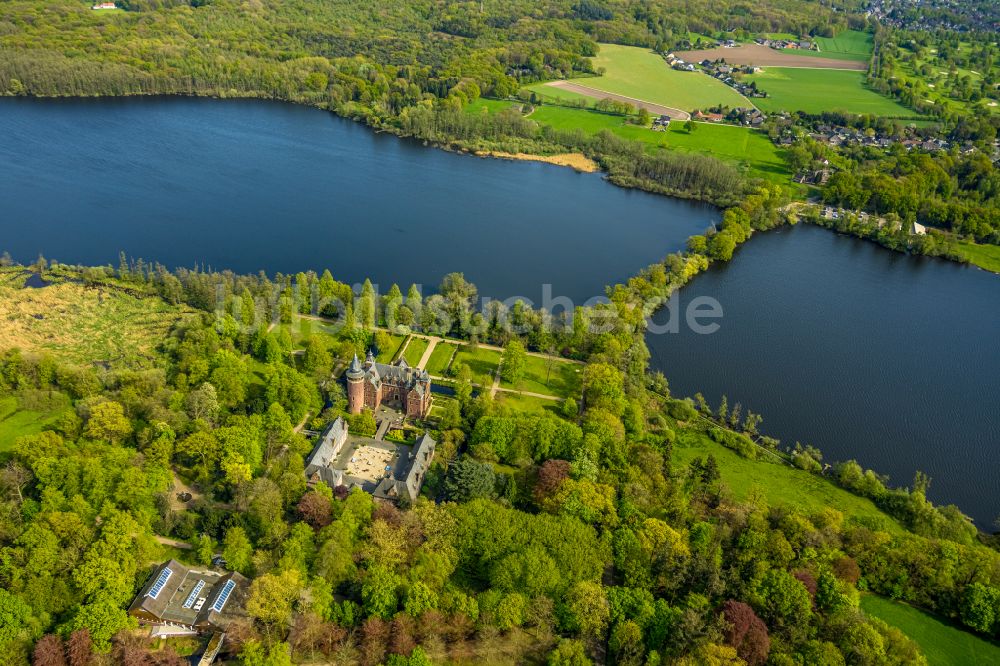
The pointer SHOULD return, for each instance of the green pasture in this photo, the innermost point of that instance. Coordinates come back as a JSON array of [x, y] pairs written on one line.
[[642, 74], [818, 90]]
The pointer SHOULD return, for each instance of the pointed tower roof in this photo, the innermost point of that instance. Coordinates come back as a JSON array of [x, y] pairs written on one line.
[[354, 371]]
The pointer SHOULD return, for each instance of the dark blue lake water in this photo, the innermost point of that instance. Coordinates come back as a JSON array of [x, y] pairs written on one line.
[[249, 185], [888, 359], [867, 354]]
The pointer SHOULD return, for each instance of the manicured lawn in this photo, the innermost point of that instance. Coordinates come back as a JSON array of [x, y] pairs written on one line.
[[943, 644], [781, 484], [850, 45], [555, 377], [415, 349], [748, 150], [387, 355], [483, 363], [640, 73], [984, 256], [16, 422], [441, 358], [527, 403], [818, 90]]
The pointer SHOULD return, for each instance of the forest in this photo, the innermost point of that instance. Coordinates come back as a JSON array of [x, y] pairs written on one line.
[[566, 537]]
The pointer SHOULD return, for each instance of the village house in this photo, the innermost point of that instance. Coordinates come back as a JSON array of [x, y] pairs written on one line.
[[180, 600], [104, 5], [371, 384]]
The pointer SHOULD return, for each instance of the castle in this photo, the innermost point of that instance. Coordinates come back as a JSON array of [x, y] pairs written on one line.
[[370, 384]]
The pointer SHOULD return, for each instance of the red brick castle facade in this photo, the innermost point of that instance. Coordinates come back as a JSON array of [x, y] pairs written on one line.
[[370, 384]]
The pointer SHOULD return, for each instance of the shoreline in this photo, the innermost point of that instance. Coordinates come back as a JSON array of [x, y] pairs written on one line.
[[576, 161]]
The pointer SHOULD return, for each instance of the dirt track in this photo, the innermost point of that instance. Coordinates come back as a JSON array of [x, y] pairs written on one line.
[[764, 56], [658, 109]]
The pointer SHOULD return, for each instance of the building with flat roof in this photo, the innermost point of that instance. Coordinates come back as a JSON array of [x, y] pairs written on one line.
[[189, 599]]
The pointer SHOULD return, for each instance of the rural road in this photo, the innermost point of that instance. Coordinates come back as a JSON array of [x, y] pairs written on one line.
[[659, 109]]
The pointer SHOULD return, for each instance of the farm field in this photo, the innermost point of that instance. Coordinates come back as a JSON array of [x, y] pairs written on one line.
[[746, 149], [779, 483], [852, 44], [642, 74], [765, 56], [818, 90], [942, 643], [85, 324]]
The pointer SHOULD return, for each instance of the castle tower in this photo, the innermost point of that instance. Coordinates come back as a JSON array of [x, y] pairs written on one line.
[[355, 387]]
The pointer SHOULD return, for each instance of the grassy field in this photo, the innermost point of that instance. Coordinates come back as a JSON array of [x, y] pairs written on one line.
[[984, 256], [779, 483], [748, 150], [849, 45], [415, 349], [942, 643], [17, 422], [555, 377], [818, 90], [441, 358], [481, 361], [528, 404], [640, 73], [84, 325]]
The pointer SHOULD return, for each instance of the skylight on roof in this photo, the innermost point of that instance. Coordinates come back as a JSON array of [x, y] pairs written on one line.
[[161, 580], [220, 601], [194, 594]]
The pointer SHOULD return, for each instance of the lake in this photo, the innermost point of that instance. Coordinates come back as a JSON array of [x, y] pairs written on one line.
[[251, 185], [867, 354]]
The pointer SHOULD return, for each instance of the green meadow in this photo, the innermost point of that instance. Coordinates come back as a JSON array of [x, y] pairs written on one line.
[[749, 150], [818, 90], [943, 643], [984, 256], [778, 482], [642, 74]]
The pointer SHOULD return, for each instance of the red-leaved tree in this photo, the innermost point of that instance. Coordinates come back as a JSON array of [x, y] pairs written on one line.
[[746, 632]]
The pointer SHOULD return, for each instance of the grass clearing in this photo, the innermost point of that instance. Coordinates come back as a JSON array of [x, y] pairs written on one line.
[[779, 483], [550, 377], [86, 324], [15, 421], [481, 361], [642, 74], [819, 90], [943, 643], [984, 256], [414, 350]]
